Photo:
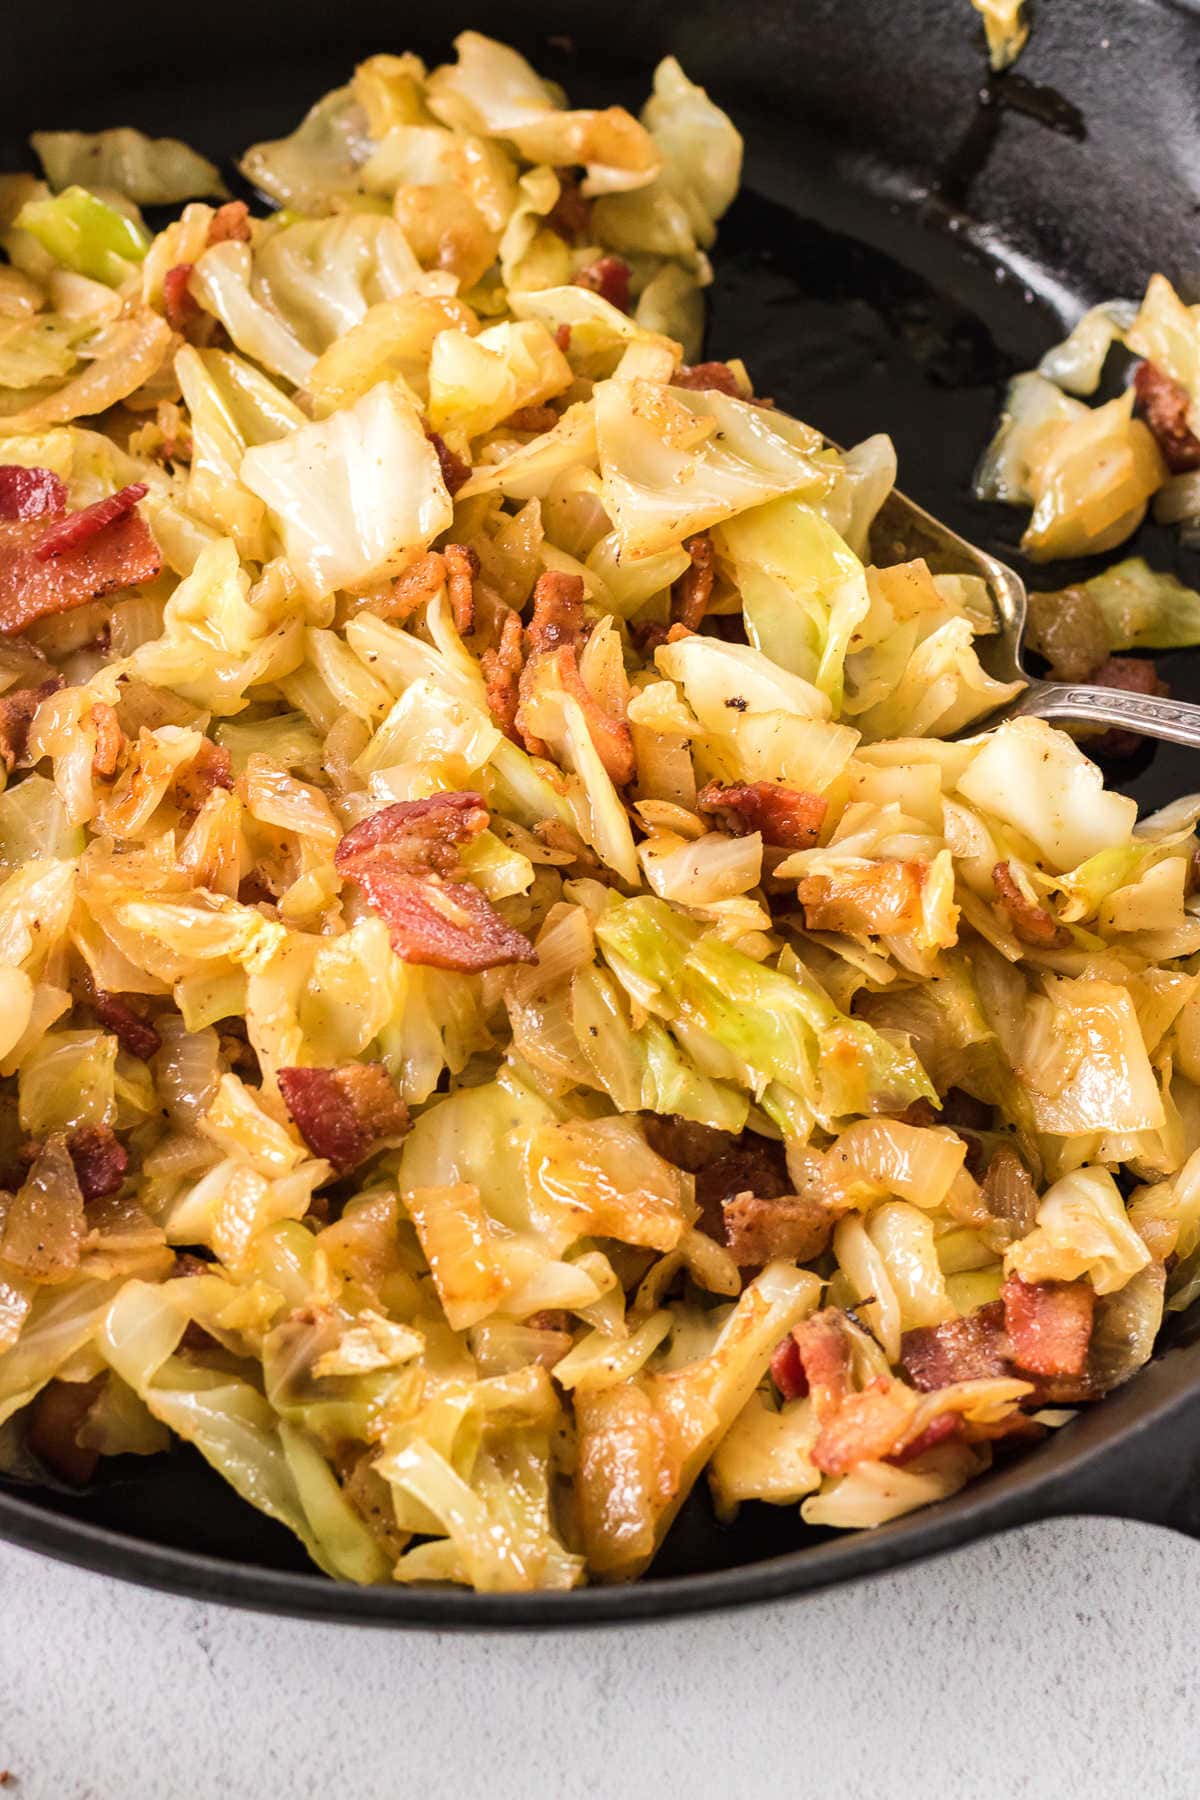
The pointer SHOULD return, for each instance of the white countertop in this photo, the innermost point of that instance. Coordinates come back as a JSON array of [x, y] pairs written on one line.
[[1056, 1662]]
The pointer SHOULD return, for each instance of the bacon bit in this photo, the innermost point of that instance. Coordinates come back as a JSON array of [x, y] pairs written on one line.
[[787, 1370], [54, 1421], [179, 304], [973, 1348], [1049, 1324], [558, 616], [611, 736], [681, 1141], [703, 377], [80, 527], [1032, 924], [693, 591], [562, 337], [131, 1031], [880, 900], [16, 716], [405, 860], [939, 1429], [211, 767], [30, 493], [1129, 675], [455, 472], [343, 1113], [231, 221], [413, 588], [749, 1166], [1164, 404], [571, 214], [786, 816], [919, 1112], [865, 1428], [110, 740], [532, 418], [824, 1347], [462, 566], [35, 587], [757, 1230], [609, 277], [502, 675], [101, 1160]]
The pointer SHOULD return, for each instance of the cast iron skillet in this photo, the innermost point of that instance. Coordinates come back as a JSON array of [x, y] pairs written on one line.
[[910, 233]]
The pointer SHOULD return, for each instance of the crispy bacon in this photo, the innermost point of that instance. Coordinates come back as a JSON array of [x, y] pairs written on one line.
[[785, 816], [1049, 1325], [1164, 403], [502, 667], [532, 418], [131, 1031], [343, 1113], [608, 276], [1129, 675], [879, 900], [462, 566], [110, 740], [571, 214], [562, 338], [211, 767], [939, 1429], [16, 716], [405, 861], [611, 736], [101, 1160], [558, 616], [787, 1370], [455, 472], [700, 377], [693, 591], [34, 586], [53, 1425], [230, 222], [823, 1343], [179, 304], [81, 527], [1031, 923], [865, 1427], [685, 1143], [750, 1166], [758, 1230], [30, 493], [973, 1348], [413, 588]]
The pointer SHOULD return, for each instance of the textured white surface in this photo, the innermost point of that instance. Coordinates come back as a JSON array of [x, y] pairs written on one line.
[[1056, 1662]]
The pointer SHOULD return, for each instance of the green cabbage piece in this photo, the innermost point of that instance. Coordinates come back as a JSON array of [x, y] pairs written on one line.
[[1145, 609], [84, 234], [152, 171]]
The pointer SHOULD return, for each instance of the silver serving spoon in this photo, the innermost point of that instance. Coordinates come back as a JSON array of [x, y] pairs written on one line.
[[903, 530]]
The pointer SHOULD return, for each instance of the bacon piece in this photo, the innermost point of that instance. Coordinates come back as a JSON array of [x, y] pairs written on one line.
[[16, 716], [401, 859], [1129, 675], [211, 767], [973, 1348], [502, 675], [562, 337], [558, 616], [230, 222], [866, 1427], [131, 1031], [1049, 1324], [611, 736], [101, 1160], [608, 276], [462, 566], [110, 740], [532, 418], [343, 1113], [81, 527], [787, 1370], [30, 493], [702, 377], [785, 816], [571, 214], [181, 308], [411, 589], [879, 900], [757, 1230], [1031, 923], [33, 586], [823, 1343], [52, 1429], [939, 1429], [750, 1166], [920, 1112], [681, 1141], [693, 591], [455, 472], [1164, 402]]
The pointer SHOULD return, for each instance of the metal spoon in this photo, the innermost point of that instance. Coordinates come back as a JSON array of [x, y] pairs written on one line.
[[903, 530]]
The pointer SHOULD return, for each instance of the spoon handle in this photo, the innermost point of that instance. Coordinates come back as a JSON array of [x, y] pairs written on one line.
[[1150, 715]]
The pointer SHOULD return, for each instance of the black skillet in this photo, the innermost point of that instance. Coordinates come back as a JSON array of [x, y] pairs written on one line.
[[911, 231]]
